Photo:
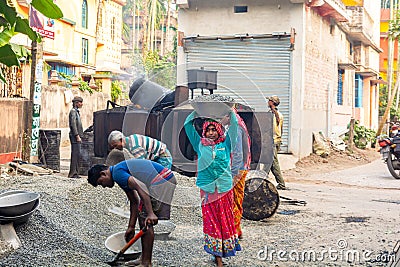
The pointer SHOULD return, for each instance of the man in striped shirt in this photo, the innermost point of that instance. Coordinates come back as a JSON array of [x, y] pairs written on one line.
[[142, 147]]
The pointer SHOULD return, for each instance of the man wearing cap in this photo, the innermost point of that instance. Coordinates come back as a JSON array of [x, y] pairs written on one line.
[[75, 135], [273, 102]]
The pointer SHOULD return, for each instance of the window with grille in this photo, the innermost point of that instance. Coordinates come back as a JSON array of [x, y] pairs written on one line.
[[340, 87], [113, 29], [358, 91], [385, 4], [85, 50], [84, 14]]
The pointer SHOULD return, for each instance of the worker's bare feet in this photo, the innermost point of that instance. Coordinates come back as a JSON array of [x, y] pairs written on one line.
[[218, 261]]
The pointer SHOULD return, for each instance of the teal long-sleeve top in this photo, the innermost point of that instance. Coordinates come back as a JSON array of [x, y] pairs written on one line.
[[214, 162]]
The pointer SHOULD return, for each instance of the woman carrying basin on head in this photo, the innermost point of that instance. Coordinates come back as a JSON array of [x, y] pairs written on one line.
[[214, 178]]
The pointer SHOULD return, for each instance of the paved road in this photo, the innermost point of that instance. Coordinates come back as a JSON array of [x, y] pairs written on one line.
[[363, 189]]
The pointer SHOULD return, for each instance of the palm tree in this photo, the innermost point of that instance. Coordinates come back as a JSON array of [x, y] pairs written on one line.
[[393, 34]]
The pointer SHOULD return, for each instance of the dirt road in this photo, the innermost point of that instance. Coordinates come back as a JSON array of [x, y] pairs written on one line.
[[351, 210]]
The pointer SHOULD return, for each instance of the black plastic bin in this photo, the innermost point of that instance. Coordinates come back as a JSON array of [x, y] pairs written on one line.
[[49, 152], [87, 152]]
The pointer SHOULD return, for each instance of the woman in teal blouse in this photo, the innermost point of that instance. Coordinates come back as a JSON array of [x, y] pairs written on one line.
[[214, 178]]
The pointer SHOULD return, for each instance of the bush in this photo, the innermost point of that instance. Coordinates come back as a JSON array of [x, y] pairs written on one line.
[[116, 90], [362, 135]]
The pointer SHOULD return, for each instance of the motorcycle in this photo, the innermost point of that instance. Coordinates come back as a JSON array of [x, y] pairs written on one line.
[[390, 151]]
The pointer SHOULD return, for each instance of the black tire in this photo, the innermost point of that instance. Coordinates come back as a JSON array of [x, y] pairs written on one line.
[[393, 165], [261, 199]]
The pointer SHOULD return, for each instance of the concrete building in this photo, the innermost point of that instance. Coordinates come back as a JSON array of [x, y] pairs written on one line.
[[319, 56], [86, 42]]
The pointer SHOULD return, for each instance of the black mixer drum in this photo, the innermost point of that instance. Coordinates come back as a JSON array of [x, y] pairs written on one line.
[[147, 94]]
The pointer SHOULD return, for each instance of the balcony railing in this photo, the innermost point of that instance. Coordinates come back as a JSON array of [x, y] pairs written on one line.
[[361, 24], [360, 29], [330, 8]]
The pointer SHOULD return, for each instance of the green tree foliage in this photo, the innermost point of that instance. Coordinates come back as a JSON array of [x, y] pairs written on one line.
[[394, 26], [158, 66], [83, 86], [161, 70], [383, 98], [11, 24], [116, 90]]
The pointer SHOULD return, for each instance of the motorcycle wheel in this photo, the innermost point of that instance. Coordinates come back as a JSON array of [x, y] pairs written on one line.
[[393, 165]]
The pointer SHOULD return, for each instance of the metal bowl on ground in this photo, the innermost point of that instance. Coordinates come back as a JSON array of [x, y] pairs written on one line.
[[163, 229], [17, 204], [12, 192], [212, 109], [116, 242], [21, 218]]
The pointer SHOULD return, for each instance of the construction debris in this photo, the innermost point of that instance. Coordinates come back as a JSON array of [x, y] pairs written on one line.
[[29, 169]]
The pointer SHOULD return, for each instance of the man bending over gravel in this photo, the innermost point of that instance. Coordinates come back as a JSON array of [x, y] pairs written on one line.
[[155, 186]]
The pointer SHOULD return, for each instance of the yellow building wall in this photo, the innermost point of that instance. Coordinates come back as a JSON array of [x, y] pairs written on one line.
[[68, 39], [384, 26], [110, 51], [354, 2], [67, 43], [68, 34]]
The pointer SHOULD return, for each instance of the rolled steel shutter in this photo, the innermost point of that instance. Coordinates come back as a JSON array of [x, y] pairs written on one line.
[[248, 70]]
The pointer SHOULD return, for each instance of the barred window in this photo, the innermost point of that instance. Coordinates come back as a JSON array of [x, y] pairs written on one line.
[[85, 51], [340, 87], [84, 14]]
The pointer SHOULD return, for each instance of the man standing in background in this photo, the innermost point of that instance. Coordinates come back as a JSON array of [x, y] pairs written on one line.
[[75, 135], [273, 102]]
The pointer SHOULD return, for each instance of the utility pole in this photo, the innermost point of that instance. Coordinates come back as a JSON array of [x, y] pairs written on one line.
[[32, 121], [26, 155]]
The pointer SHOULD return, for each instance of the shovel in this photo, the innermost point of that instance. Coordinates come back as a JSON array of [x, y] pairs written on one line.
[[128, 245]]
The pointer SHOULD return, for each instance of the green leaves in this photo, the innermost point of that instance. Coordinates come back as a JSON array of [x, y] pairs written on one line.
[[5, 36], [116, 90], [8, 12], [22, 26], [20, 51], [48, 8], [7, 56], [362, 135], [394, 27]]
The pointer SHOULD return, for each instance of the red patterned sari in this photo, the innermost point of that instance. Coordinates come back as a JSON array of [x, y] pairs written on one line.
[[218, 224]]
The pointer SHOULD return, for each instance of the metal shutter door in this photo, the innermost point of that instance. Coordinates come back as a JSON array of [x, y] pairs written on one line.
[[248, 70]]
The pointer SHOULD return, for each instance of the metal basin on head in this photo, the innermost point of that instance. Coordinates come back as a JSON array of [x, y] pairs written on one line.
[[212, 109], [17, 204]]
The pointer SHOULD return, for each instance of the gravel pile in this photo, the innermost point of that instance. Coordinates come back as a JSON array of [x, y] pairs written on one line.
[[72, 223], [212, 98]]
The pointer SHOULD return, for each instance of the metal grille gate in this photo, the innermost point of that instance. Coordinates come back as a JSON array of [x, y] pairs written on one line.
[[248, 70]]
